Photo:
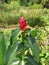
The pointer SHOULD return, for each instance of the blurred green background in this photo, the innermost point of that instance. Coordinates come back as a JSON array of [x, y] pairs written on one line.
[[35, 12]]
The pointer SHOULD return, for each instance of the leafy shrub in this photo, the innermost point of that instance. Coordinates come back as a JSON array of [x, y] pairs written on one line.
[[36, 21], [36, 6], [22, 47], [10, 14], [8, 52], [28, 2]]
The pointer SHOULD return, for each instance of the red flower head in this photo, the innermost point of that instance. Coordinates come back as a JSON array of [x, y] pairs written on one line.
[[23, 24]]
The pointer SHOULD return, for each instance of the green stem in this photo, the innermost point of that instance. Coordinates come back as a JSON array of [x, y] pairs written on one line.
[[23, 50]]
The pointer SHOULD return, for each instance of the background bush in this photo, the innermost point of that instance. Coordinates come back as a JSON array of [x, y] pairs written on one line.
[[11, 15], [34, 13]]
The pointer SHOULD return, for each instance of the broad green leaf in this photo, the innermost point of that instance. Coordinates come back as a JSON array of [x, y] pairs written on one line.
[[1, 54], [34, 47], [11, 53], [3, 44], [14, 34], [31, 61]]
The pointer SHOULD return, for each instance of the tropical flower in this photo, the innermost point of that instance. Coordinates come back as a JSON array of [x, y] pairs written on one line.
[[23, 24]]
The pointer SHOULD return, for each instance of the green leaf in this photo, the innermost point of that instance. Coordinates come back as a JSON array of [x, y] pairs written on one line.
[[11, 53], [31, 61], [3, 43], [1, 54], [34, 47], [34, 33], [14, 34]]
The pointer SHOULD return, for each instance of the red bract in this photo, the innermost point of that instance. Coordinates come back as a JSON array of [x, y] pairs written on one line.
[[23, 24], [27, 27]]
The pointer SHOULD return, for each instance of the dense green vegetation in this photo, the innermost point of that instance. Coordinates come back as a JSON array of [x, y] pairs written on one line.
[[26, 48], [11, 13]]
